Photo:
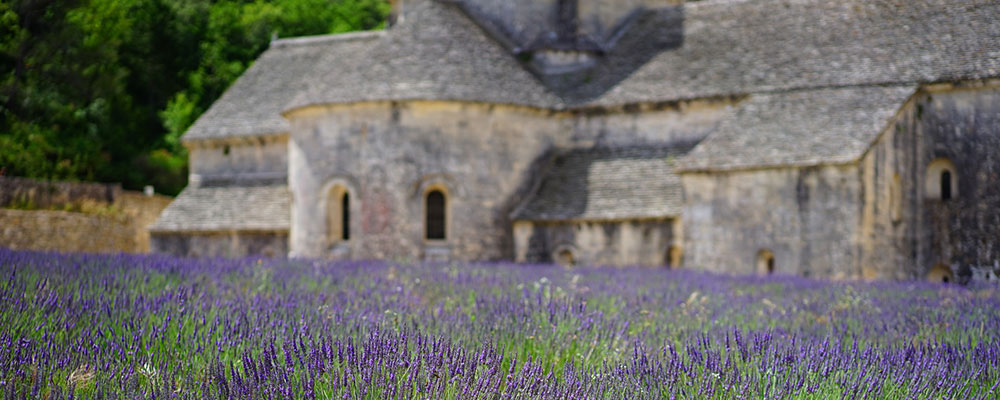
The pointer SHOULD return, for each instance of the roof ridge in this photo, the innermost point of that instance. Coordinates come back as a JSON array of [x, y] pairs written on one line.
[[709, 3], [328, 38]]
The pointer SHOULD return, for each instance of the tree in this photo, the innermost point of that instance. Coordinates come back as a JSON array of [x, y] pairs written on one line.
[[103, 89]]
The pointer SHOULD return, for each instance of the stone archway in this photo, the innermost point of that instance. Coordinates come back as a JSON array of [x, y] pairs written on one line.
[[674, 257], [565, 256], [765, 262], [941, 273]]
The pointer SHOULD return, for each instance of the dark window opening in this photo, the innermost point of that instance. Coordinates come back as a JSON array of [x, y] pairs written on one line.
[[435, 215], [770, 265], [945, 185], [345, 217], [225, 150]]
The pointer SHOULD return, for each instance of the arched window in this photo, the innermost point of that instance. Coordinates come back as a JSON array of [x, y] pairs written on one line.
[[338, 215], [675, 257], [765, 262], [345, 217], [945, 185], [941, 182], [436, 218]]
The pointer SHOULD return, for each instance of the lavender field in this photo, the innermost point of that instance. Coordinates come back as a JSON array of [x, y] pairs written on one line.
[[90, 326]]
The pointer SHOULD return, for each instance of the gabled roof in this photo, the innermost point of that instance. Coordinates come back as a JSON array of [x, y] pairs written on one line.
[[519, 23], [232, 208], [710, 48], [698, 50], [826, 126], [754, 46], [252, 105], [707, 49], [607, 184], [436, 53]]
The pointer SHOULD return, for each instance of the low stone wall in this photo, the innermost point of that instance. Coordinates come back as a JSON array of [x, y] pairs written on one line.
[[222, 244], [67, 231], [617, 243], [24, 193], [105, 218]]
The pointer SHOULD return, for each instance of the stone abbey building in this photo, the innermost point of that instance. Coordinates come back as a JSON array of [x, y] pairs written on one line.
[[842, 139]]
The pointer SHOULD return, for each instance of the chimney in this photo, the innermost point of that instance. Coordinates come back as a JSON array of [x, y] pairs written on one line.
[[396, 12]]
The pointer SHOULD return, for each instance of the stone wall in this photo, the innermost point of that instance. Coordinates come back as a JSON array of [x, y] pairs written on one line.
[[30, 194], [618, 243], [116, 227], [141, 211], [222, 244], [485, 157], [239, 160], [66, 231], [882, 218], [806, 217], [389, 156], [909, 235]]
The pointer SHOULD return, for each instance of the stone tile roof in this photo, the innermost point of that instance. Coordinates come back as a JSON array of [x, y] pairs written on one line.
[[752, 46], [213, 209], [436, 53], [607, 184], [252, 105], [798, 128], [698, 50], [522, 22], [702, 49]]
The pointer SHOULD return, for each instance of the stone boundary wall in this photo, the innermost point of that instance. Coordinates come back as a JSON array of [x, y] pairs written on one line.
[[67, 231], [25, 193], [111, 219]]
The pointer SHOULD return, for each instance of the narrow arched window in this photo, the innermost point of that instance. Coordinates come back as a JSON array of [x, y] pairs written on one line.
[[345, 217], [338, 215], [942, 180], [436, 215], [945, 185]]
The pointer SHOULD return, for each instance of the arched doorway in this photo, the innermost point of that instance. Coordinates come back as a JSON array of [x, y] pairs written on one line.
[[941, 273], [564, 256], [674, 257], [765, 262]]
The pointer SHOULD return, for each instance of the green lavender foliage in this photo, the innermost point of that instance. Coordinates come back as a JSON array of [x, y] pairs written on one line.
[[98, 326]]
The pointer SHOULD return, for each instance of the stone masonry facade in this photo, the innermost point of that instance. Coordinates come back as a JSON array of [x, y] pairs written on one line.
[[847, 140]]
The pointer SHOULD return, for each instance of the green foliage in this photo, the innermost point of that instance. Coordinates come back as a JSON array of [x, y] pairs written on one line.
[[104, 89]]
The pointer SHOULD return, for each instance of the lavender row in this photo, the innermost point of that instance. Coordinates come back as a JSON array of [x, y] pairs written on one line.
[[90, 326]]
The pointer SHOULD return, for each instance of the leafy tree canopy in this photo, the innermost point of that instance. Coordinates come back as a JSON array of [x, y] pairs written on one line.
[[103, 89]]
